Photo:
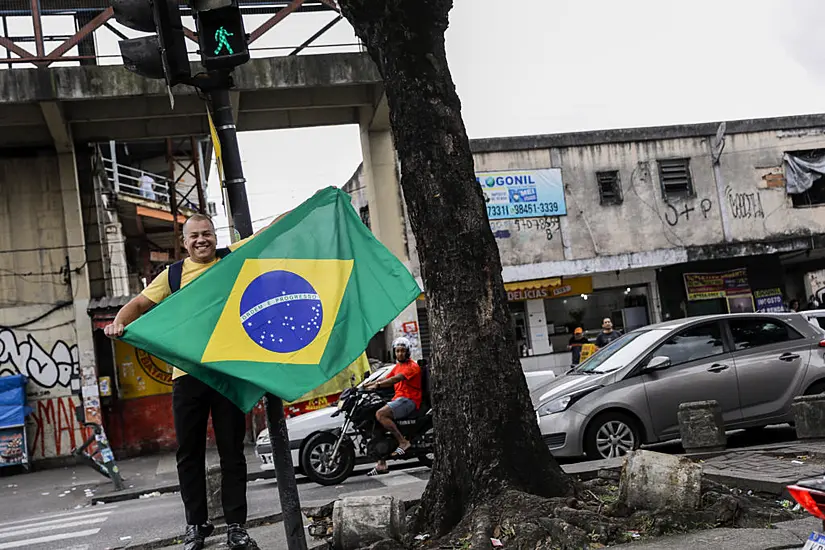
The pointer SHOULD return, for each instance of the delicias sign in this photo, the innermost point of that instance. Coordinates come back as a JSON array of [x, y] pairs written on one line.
[[548, 288]]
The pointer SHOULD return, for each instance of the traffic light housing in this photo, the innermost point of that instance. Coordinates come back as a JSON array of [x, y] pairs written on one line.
[[161, 55], [221, 34]]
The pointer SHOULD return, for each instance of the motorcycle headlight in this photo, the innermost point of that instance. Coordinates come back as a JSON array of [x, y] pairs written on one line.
[[340, 404], [554, 405]]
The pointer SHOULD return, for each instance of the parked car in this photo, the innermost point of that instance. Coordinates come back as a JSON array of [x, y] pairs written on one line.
[[629, 392], [815, 316], [302, 426]]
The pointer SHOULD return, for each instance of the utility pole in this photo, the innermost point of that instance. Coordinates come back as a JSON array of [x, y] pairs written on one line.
[[223, 46], [278, 437]]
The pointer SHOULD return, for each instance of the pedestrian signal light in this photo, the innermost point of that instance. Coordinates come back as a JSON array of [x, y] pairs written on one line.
[[222, 37]]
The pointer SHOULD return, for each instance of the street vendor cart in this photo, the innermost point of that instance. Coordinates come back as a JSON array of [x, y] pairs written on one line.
[[14, 449]]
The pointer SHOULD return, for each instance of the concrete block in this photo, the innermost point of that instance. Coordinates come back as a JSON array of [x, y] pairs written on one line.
[[701, 426], [214, 493], [358, 522], [809, 416], [655, 480]]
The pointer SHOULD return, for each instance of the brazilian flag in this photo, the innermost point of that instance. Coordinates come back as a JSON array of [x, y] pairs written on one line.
[[286, 311]]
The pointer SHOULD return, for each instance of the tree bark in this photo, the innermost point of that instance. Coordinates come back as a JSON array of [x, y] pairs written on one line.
[[487, 437]]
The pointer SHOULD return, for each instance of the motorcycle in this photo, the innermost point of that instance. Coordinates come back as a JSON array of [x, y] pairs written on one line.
[[810, 494], [328, 457]]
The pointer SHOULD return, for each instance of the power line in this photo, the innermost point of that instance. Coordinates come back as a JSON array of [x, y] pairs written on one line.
[[57, 306]]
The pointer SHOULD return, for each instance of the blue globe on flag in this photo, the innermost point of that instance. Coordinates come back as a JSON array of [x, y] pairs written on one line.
[[281, 311]]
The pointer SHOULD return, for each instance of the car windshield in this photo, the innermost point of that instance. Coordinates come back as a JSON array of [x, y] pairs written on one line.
[[379, 373], [620, 352]]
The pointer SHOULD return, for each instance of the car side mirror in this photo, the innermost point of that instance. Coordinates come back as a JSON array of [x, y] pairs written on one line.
[[660, 362]]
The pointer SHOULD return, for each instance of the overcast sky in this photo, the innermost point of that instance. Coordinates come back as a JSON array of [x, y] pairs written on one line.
[[546, 66]]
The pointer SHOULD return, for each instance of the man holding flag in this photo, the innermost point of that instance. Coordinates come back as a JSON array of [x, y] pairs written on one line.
[[192, 401], [283, 314]]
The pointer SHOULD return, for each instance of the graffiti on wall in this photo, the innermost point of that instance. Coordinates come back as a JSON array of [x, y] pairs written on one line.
[[56, 430], [744, 205], [25, 355], [673, 214], [503, 229]]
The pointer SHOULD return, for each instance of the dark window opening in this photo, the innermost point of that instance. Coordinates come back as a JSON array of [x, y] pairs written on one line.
[[610, 189], [365, 215], [674, 174], [815, 196]]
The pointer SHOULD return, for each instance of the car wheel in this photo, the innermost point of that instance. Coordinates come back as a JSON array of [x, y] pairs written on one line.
[[611, 435], [316, 463], [428, 458]]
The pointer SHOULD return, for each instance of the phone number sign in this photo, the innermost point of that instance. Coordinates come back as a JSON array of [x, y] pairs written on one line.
[[523, 193]]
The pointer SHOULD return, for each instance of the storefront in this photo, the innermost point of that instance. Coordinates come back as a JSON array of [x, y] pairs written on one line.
[[736, 285], [547, 311]]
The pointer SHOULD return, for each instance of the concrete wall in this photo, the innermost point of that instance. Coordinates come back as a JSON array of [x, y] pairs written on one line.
[[37, 232], [646, 230]]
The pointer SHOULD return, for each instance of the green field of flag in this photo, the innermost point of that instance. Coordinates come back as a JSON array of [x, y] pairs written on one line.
[[286, 311]]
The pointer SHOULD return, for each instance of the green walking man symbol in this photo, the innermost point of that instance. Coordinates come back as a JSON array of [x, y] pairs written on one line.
[[221, 36]]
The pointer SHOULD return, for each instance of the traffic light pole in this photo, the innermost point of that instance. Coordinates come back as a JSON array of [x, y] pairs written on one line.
[[239, 206]]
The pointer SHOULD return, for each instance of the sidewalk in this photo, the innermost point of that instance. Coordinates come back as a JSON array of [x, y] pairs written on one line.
[[767, 468], [141, 475], [268, 537], [786, 535], [158, 473]]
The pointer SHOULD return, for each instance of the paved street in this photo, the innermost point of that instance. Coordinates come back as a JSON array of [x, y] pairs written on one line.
[[49, 509], [133, 522]]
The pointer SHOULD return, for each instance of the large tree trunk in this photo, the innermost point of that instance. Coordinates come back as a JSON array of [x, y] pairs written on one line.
[[487, 438]]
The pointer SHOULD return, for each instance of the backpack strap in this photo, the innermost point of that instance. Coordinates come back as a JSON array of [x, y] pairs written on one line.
[[176, 269], [175, 274]]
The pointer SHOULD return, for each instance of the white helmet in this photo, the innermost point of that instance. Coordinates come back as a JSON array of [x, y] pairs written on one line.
[[402, 342]]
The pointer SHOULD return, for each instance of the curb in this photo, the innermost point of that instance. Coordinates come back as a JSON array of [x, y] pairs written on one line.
[[751, 482], [219, 530], [135, 493]]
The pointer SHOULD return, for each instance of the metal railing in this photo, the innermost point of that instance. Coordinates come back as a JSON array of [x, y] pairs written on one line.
[[44, 32], [142, 184]]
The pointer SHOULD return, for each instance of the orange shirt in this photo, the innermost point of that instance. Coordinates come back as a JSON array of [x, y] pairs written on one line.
[[410, 386]]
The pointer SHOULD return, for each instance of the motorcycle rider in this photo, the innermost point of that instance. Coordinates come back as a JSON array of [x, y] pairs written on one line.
[[406, 379]]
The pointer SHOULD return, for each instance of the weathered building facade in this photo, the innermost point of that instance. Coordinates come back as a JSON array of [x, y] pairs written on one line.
[[648, 224]]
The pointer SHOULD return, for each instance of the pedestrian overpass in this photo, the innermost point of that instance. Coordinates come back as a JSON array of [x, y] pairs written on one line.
[[60, 108]]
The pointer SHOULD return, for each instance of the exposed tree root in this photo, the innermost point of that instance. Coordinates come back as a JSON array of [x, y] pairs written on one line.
[[595, 519]]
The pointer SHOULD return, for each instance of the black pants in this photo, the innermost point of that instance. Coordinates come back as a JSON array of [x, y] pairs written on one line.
[[192, 400]]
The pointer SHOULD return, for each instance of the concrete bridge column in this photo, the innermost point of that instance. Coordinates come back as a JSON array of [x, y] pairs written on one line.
[[76, 252], [54, 116], [381, 178]]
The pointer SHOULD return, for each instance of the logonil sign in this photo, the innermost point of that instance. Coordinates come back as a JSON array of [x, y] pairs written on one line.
[[523, 193]]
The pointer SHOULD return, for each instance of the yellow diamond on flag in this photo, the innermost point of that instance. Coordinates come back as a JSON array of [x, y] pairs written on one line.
[[280, 311]]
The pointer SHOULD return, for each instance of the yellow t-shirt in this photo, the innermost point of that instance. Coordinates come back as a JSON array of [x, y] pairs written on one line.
[[159, 289]]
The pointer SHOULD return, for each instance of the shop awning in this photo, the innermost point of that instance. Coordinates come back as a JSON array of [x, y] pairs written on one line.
[[534, 284]]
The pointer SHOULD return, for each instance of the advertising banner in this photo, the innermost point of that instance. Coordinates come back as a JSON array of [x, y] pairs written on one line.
[[769, 300], [710, 286], [140, 374], [557, 288], [523, 193], [12, 449]]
